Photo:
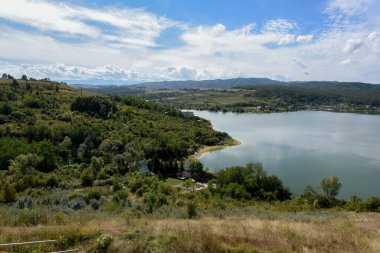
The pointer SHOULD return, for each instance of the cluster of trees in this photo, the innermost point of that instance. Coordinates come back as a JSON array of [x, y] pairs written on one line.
[[250, 182], [143, 104], [24, 78], [101, 107]]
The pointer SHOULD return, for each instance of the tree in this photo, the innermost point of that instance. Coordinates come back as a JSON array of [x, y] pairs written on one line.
[[28, 87], [195, 166], [6, 109], [15, 84], [24, 78], [87, 179], [9, 193], [65, 149], [5, 76], [47, 151], [189, 183], [191, 209], [25, 164], [331, 186], [97, 163]]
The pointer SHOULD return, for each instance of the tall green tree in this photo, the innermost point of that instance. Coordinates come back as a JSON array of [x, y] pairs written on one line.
[[331, 186]]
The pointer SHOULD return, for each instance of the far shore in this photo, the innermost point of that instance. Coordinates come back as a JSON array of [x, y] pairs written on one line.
[[206, 149]]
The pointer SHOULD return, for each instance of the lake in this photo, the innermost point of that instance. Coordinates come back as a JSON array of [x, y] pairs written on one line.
[[303, 147]]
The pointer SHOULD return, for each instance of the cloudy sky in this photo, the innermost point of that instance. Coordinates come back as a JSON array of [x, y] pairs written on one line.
[[129, 41]]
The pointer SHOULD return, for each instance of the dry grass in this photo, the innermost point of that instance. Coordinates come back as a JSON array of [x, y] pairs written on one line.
[[260, 235], [350, 233]]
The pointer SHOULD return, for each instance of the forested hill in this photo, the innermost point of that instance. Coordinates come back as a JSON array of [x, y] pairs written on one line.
[[218, 83], [339, 88], [320, 92], [214, 84], [57, 125]]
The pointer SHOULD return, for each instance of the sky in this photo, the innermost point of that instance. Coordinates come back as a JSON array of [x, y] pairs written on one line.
[[132, 41]]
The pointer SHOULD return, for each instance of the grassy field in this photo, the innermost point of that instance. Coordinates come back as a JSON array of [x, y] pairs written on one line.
[[257, 230]]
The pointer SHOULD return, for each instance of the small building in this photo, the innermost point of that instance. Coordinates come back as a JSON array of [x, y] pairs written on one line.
[[187, 113], [184, 175]]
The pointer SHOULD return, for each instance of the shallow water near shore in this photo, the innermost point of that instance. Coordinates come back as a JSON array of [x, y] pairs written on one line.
[[303, 147]]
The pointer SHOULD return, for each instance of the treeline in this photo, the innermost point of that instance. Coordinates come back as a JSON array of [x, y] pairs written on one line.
[[320, 93]]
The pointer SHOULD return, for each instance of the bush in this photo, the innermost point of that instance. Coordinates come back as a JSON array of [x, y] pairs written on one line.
[[93, 194], [5, 109], [77, 203], [324, 201], [103, 242], [372, 204], [32, 102], [52, 181], [120, 197], [8, 193], [191, 209], [116, 186], [87, 179]]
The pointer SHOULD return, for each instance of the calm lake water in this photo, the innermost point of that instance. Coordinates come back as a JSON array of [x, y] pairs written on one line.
[[303, 147]]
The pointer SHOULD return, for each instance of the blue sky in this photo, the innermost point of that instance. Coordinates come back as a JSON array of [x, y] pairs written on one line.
[[150, 40]]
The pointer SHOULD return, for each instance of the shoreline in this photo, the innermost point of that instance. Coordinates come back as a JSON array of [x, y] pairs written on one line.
[[207, 149]]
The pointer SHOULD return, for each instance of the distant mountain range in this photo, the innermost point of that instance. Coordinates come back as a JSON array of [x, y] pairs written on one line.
[[221, 84], [217, 83]]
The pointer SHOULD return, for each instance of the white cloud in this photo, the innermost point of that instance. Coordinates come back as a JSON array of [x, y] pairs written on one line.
[[286, 39], [304, 38], [279, 26], [276, 50], [374, 41], [346, 62], [128, 26], [60, 71], [352, 45], [347, 7]]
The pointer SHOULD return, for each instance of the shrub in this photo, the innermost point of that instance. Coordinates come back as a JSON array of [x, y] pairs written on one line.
[[93, 194], [323, 201], [52, 181], [95, 204], [116, 186], [191, 210], [87, 179], [77, 203], [120, 197], [5, 109], [8, 193], [103, 242], [372, 204]]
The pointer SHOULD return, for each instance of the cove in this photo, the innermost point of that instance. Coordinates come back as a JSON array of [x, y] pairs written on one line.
[[303, 147]]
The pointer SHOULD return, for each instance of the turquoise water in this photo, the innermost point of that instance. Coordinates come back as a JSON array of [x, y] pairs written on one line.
[[303, 147]]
